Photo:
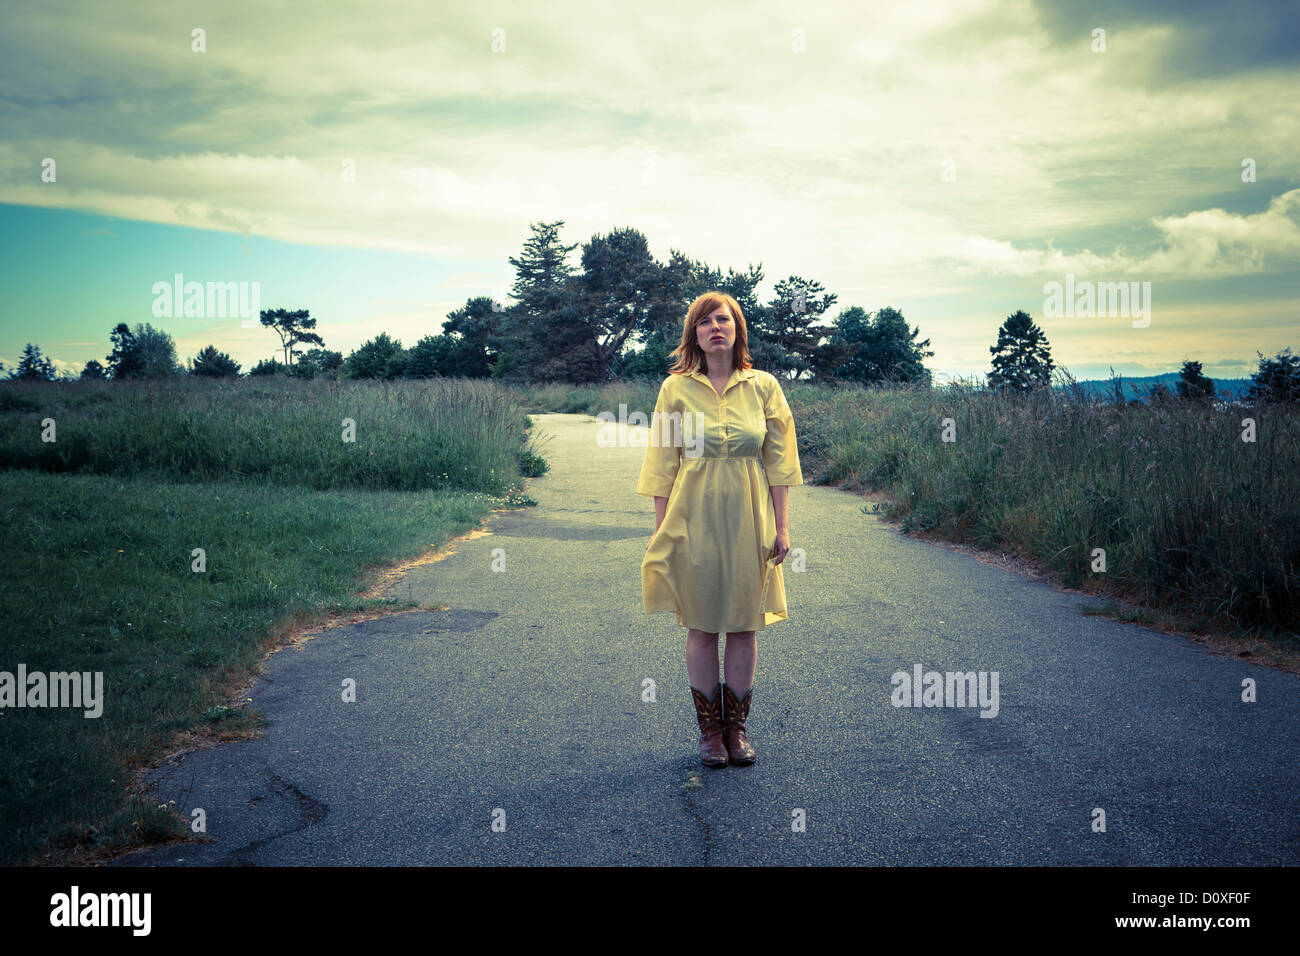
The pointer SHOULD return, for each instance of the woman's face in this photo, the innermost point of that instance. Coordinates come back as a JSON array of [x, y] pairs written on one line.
[[716, 335]]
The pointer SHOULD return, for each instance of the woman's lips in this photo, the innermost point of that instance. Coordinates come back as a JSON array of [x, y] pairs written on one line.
[[717, 338]]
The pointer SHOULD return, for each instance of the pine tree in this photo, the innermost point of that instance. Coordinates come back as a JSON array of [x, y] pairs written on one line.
[[623, 291], [213, 364], [789, 326], [293, 329], [1192, 384], [537, 331], [267, 367], [442, 355], [1022, 358], [1277, 380], [872, 348], [33, 366]]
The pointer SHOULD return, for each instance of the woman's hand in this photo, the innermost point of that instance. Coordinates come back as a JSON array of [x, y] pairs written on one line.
[[782, 546]]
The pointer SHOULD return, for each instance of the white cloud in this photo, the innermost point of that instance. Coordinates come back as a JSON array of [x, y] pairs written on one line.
[[1210, 243]]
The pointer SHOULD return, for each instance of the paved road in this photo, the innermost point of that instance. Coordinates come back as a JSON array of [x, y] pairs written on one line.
[[526, 696]]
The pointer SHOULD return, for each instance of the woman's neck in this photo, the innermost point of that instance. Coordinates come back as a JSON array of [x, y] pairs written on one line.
[[719, 373]]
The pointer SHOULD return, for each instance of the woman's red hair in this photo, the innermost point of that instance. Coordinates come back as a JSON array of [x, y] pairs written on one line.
[[689, 354]]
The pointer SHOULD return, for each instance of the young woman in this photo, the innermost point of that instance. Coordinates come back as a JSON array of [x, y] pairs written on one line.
[[720, 515]]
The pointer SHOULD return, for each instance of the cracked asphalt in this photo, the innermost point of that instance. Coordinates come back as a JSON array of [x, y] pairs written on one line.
[[523, 704]]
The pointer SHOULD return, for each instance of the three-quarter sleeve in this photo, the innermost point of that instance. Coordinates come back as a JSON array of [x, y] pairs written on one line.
[[662, 459], [780, 450]]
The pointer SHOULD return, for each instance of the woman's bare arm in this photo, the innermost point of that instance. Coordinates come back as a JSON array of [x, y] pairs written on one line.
[[780, 500]]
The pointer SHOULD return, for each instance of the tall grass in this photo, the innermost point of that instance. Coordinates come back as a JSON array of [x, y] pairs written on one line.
[[1191, 517], [639, 394], [409, 435]]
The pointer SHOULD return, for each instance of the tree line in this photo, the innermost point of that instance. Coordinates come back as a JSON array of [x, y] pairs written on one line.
[[620, 315]]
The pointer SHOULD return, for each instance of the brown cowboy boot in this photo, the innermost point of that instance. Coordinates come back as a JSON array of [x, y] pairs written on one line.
[[739, 748], [708, 711]]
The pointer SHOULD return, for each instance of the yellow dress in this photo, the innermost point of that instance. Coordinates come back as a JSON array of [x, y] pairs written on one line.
[[711, 560]]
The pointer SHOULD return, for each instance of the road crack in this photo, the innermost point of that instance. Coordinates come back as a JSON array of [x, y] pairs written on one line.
[[310, 812]]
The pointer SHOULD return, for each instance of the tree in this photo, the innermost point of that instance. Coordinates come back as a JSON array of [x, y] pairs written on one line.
[[444, 355], [33, 366], [428, 356], [788, 326], [623, 292], [477, 324], [539, 338], [669, 298], [93, 371], [574, 327], [741, 286], [653, 360], [541, 269], [1277, 380], [1158, 394], [874, 348], [214, 364], [381, 357], [1192, 384], [850, 335], [157, 353], [317, 362], [292, 327], [145, 353], [1022, 358], [267, 367], [124, 360]]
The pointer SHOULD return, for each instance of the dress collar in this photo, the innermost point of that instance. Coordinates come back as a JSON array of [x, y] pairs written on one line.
[[736, 374]]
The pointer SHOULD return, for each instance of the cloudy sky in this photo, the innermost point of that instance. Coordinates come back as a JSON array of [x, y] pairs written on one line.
[[377, 163]]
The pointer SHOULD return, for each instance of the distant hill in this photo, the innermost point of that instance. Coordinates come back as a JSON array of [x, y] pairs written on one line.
[[1138, 386]]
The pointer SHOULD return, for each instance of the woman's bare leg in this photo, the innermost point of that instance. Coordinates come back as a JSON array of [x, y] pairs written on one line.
[[739, 660], [702, 660]]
